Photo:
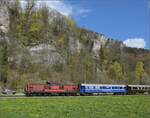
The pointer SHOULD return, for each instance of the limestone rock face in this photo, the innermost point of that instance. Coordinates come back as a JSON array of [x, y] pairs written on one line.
[[3, 32], [4, 19], [45, 54], [74, 45], [98, 43], [4, 15]]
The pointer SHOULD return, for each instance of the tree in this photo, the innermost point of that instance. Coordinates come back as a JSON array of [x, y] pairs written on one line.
[[14, 18], [3, 62], [69, 22], [45, 22], [29, 8], [88, 67], [102, 57], [116, 71], [139, 70]]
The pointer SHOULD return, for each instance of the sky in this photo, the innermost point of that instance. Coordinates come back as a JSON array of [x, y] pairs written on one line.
[[125, 20]]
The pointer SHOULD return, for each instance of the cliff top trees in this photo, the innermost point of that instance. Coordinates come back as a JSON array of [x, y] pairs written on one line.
[[116, 71]]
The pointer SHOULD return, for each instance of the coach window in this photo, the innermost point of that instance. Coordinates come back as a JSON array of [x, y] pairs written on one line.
[[145, 87], [134, 88], [97, 87], [142, 87], [113, 87], [108, 87], [103, 87], [83, 87]]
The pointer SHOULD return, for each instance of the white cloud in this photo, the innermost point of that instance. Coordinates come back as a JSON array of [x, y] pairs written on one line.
[[62, 7], [82, 12], [135, 42]]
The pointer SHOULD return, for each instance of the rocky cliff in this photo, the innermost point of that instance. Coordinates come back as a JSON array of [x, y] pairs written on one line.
[[41, 44]]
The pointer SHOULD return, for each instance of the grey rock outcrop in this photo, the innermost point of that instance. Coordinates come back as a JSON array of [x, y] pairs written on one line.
[[45, 54], [4, 19], [74, 45], [101, 40]]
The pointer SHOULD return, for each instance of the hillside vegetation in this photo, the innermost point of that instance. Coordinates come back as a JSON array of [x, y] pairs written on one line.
[[41, 44]]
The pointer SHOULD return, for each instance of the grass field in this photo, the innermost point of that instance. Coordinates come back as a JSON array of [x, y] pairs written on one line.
[[76, 107]]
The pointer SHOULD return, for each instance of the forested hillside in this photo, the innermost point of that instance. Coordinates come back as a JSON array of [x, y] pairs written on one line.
[[38, 44]]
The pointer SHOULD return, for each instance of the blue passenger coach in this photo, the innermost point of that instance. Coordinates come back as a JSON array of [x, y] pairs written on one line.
[[102, 88]]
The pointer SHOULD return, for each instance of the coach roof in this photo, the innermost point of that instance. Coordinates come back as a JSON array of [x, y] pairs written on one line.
[[102, 85]]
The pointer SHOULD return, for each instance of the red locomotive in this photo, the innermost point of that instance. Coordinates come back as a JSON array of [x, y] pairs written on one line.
[[50, 89]]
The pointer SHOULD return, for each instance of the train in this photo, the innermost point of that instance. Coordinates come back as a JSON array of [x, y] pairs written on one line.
[[50, 89]]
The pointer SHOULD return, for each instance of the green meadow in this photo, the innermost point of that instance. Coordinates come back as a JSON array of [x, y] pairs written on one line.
[[76, 107]]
